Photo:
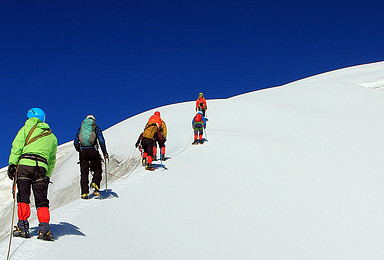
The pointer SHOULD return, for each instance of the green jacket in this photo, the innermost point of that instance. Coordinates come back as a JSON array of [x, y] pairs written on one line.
[[45, 146]]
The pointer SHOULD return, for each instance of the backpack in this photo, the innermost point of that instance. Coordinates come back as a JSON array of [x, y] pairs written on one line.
[[198, 118], [150, 130], [198, 121], [87, 134]]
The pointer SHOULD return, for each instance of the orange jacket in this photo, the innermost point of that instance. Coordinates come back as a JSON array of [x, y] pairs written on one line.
[[155, 119], [200, 102]]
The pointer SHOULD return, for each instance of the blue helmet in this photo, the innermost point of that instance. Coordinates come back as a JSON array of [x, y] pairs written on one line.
[[36, 112], [201, 113]]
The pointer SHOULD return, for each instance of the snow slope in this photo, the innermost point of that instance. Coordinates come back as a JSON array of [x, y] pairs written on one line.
[[292, 172]]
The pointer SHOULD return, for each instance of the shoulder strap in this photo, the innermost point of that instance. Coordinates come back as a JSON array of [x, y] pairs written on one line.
[[44, 133], [149, 126], [29, 134]]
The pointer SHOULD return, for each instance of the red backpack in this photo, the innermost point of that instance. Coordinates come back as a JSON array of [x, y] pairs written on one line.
[[198, 118]]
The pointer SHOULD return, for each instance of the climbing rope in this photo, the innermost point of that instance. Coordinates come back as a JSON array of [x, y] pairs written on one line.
[[138, 162], [13, 211], [125, 175]]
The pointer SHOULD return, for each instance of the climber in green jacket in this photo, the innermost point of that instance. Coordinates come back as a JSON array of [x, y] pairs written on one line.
[[31, 162]]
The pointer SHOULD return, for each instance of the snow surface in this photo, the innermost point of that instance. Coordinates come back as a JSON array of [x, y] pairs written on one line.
[[291, 172]]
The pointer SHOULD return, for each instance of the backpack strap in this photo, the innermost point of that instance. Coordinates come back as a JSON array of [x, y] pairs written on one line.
[[150, 126], [29, 134], [44, 133]]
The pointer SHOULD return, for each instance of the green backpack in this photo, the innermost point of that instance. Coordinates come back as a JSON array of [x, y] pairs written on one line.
[[87, 134]]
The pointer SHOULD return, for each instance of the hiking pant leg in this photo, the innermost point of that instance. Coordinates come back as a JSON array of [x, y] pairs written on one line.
[[95, 161], [84, 171], [24, 183], [40, 192], [24, 190], [148, 146], [23, 208]]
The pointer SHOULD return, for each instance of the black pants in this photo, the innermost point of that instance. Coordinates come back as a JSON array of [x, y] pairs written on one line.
[[90, 160], [32, 176], [202, 110], [148, 146], [161, 144]]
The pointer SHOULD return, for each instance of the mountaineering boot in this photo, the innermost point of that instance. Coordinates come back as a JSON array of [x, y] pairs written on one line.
[[85, 196], [144, 161], [194, 142], [18, 233], [149, 167], [45, 236], [96, 190]]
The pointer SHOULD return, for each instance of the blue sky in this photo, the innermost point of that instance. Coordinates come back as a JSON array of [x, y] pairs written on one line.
[[115, 59]]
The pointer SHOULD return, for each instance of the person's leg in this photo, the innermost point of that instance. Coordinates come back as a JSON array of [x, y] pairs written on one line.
[[40, 191], [84, 172], [96, 168]]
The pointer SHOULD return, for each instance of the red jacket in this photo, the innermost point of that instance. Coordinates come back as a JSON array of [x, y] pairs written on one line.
[[200, 102]]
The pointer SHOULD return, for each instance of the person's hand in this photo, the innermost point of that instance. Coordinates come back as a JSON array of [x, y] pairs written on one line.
[[11, 171], [137, 144], [106, 156]]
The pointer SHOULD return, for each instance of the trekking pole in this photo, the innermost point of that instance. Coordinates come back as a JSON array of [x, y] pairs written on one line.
[[206, 136], [161, 160], [106, 176], [13, 211]]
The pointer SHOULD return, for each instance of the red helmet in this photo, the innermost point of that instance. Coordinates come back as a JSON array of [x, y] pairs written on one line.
[[157, 113]]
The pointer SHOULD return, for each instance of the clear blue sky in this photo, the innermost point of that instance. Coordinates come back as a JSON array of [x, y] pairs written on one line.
[[115, 59]]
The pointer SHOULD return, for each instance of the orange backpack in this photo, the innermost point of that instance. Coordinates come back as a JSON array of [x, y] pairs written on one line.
[[151, 127]]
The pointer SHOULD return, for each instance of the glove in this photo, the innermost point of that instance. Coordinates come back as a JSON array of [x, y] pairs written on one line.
[[11, 171], [106, 156], [137, 144]]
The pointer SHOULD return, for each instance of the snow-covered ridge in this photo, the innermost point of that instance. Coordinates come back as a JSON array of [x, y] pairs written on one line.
[[291, 172]]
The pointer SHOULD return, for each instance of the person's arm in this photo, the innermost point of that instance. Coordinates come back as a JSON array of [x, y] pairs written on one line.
[[101, 139], [76, 142], [139, 140], [17, 147], [52, 158]]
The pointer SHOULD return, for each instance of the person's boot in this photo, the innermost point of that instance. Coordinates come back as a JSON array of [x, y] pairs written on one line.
[[149, 167], [96, 189], [19, 233], [85, 196], [45, 236]]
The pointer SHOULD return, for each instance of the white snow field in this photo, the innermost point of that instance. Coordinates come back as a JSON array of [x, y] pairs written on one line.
[[291, 172]]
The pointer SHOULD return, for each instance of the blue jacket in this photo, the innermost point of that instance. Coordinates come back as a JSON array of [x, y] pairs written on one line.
[[99, 137], [198, 124]]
